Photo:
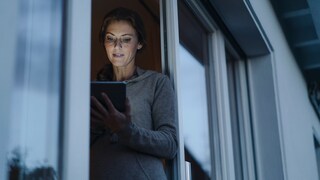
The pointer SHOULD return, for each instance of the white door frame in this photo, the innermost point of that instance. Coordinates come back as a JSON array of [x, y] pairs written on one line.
[[75, 158]]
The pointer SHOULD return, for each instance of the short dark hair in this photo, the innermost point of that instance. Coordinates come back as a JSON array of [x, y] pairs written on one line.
[[124, 14]]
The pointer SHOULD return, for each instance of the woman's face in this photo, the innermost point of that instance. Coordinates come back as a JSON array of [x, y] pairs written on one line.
[[121, 44]]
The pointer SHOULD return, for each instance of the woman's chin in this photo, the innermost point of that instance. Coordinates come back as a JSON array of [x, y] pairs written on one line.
[[117, 62]]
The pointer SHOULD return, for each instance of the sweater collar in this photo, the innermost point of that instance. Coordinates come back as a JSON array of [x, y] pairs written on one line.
[[106, 74]]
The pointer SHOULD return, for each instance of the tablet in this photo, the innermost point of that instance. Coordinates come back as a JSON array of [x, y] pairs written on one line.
[[115, 90]]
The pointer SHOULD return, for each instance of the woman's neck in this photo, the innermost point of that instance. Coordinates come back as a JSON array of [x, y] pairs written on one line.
[[123, 73]]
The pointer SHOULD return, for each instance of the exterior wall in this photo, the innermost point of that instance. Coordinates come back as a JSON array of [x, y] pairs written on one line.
[[296, 115]]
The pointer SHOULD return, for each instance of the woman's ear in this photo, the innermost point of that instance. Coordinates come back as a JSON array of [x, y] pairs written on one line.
[[139, 46]]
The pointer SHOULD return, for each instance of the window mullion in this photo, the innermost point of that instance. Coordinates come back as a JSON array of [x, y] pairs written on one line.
[[224, 145]]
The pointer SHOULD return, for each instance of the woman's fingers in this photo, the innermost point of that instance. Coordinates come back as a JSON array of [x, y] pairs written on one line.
[[99, 106], [128, 109], [96, 122], [110, 106], [112, 118], [94, 113]]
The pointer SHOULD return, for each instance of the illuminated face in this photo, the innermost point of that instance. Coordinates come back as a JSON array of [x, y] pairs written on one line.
[[121, 44]]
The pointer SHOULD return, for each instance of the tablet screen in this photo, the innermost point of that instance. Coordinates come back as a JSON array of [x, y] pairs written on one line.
[[115, 90]]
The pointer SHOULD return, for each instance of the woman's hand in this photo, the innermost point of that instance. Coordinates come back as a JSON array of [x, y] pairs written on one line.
[[109, 118]]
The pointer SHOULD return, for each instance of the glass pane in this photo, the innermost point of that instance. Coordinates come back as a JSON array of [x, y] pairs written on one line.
[[195, 114], [34, 133]]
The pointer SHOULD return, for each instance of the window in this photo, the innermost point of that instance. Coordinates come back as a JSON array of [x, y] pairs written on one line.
[[193, 91], [34, 134], [195, 116], [234, 114], [239, 115]]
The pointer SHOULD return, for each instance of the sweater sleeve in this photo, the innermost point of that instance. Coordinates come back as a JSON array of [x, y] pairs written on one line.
[[162, 140]]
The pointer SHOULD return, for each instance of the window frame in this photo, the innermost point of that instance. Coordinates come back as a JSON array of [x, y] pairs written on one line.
[[76, 92], [169, 52], [222, 154], [243, 113], [220, 128]]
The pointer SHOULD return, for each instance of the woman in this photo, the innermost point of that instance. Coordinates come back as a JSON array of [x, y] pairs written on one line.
[[133, 143]]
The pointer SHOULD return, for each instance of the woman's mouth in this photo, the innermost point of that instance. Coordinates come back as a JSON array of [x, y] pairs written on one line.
[[118, 55]]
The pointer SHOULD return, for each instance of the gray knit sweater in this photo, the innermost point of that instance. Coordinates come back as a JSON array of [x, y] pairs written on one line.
[[136, 152]]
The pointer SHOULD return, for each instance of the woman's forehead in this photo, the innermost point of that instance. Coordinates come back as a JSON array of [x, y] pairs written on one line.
[[120, 27]]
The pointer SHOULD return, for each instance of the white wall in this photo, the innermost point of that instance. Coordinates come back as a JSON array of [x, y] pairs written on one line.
[[296, 114]]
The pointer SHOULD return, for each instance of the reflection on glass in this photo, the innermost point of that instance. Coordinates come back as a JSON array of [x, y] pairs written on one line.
[[195, 109], [35, 108]]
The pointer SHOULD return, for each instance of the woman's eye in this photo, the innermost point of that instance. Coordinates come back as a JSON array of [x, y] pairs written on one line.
[[110, 39], [126, 40]]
